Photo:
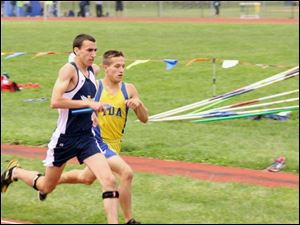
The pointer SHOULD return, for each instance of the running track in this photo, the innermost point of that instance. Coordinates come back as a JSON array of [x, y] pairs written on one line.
[[199, 171]]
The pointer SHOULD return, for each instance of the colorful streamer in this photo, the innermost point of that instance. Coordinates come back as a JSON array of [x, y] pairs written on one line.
[[15, 55]]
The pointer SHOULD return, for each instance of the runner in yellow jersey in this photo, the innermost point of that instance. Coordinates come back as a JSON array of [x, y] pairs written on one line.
[[110, 127], [112, 122]]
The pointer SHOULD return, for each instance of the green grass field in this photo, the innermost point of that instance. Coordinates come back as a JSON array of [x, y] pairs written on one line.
[[243, 143], [156, 200]]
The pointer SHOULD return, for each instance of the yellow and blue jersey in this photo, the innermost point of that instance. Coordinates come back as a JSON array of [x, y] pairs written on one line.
[[112, 122]]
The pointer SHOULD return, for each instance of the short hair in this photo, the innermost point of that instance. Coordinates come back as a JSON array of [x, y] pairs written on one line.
[[79, 39], [111, 54]]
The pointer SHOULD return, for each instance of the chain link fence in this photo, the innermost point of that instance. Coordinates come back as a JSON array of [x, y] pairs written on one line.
[[179, 9]]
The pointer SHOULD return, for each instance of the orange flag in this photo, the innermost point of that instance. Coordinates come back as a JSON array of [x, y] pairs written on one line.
[[198, 60]]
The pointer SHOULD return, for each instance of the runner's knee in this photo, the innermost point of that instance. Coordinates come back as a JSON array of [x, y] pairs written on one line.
[[109, 183], [49, 188], [127, 174], [45, 186], [87, 180]]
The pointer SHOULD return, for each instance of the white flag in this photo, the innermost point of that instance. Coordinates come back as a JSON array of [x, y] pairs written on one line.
[[229, 63]]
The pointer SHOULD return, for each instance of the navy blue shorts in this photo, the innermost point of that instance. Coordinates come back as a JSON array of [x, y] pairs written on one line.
[[65, 147]]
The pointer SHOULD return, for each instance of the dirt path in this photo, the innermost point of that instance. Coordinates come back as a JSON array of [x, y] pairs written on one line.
[[177, 168]]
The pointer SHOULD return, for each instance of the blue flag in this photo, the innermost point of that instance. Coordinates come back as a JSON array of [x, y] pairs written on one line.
[[170, 63]]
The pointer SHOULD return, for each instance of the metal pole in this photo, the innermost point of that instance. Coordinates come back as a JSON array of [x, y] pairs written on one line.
[[292, 11], [160, 8], [214, 77], [45, 11], [58, 9], [211, 9], [109, 8]]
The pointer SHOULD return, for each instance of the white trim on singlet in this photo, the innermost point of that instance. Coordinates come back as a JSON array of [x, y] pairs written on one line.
[[63, 113], [63, 117]]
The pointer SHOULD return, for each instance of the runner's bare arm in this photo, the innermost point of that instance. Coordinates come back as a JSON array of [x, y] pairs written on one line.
[[65, 82], [136, 104]]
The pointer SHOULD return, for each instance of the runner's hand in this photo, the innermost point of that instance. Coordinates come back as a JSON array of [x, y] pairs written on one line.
[[133, 103], [94, 119]]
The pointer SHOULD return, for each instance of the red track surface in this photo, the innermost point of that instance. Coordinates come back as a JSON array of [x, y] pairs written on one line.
[[177, 168]]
